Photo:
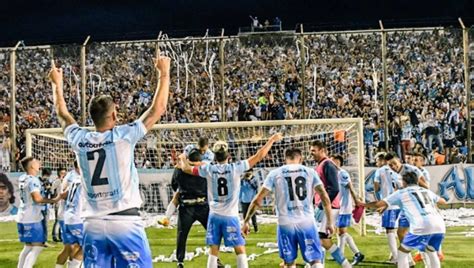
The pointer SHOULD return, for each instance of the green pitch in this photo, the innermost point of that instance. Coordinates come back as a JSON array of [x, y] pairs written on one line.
[[457, 248]]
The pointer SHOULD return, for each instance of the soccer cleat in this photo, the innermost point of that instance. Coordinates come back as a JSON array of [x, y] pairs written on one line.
[[219, 264], [441, 255], [392, 260], [358, 257], [165, 222], [418, 257]]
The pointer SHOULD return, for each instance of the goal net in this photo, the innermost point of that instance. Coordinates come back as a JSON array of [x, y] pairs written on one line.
[[156, 154]]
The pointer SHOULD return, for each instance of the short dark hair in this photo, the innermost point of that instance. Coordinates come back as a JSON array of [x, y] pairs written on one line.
[[194, 155], [76, 165], [46, 172], [203, 141], [319, 144], [390, 156], [292, 153], [339, 158], [381, 156], [25, 161], [221, 155], [99, 108], [420, 155], [410, 178], [60, 169], [4, 179]]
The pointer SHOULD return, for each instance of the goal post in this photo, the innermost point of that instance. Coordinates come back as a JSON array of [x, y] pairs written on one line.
[[157, 152]]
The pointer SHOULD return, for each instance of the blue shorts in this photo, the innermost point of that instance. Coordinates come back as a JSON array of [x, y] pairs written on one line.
[[73, 234], [421, 242], [61, 226], [403, 221], [304, 234], [343, 220], [31, 232], [227, 227], [118, 242], [389, 218]]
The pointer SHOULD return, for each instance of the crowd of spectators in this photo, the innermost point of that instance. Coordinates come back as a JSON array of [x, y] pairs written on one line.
[[343, 78]]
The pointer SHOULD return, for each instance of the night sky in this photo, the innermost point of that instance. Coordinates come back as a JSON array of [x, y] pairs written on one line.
[[66, 21]]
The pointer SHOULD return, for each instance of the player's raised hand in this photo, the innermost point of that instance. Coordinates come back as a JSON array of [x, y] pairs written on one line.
[[56, 75], [276, 137], [162, 64]]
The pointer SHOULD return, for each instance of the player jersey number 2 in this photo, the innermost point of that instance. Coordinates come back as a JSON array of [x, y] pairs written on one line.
[[98, 156]]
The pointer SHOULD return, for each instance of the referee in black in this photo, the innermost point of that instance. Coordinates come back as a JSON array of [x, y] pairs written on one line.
[[193, 204]]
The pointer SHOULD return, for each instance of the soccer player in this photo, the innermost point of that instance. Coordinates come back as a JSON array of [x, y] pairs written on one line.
[[427, 227], [30, 227], [386, 183], [223, 188], [419, 161], [294, 186], [72, 226], [345, 211], [57, 188], [329, 173], [114, 234], [248, 190], [7, 197]]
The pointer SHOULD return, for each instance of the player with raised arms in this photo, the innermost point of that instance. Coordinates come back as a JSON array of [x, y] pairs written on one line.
[[223, 188], [114, 234]]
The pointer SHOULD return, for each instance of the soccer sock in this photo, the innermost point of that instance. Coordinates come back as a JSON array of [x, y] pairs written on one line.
[[170, 210], [426, 259], [75, 263], [434, 260], [411, 262], [392, 243], [351, 243], [212, 261], [323, 255], [23, 254], [341, 242], [402, 260], [242, 261], [32, 256], [336, 254], [317, 265]]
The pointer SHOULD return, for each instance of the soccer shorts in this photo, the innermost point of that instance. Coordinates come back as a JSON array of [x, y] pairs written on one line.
[[343, 220], [73, 234], [31, 232], [322, 220], [116, 241], [227, 227], [389, 218], [403, 221], [304, 234], [421, 242], [62, 226]]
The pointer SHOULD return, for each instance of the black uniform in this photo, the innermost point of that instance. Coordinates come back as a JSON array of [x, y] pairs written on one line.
[[193, 206]]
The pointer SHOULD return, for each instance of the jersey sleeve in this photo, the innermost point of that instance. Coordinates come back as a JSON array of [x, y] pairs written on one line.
[[345, 178], [268, 183], [34, 185], [132, 132], [393, 199], [433, 196], [202, 171], [377, 176], [74, 134], [188, 149], [240, 167]]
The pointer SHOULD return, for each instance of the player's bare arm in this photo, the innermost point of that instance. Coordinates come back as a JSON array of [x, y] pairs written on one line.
[[160, 100], [327, 207], [262, 152], [36, 196], [256, 204], [56, 77], [184, 164], [422, 182], [354, 195]]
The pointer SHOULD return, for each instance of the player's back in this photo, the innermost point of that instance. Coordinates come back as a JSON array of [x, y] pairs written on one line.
[[73, 204], [29, 211], [346, 198], [106, 160], [223, 186], [419, 206], [387, 179], [293, 186]]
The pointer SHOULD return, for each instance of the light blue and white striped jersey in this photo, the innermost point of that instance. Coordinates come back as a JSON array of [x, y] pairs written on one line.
[[426, 175], [346, 197], [223, 186], [207, 157], [388, 182], [72, 212], [293, 186], [106, 159], [419, 206], [29, 211], [407, 168]]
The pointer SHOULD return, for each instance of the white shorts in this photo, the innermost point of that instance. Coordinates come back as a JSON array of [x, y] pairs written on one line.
[[321, 220]]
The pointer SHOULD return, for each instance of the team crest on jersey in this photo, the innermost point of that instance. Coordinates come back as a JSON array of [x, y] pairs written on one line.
[[130, 256]]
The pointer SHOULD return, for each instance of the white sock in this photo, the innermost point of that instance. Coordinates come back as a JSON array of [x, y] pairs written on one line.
[[341, 242], [392, 244], [426, 259], [59, 266], [317, 265], [32, 256], [346, 264], [170, 210], [411, 262], [434, 260], [212, 261], [75, 263], [351, 243], [242, 261], [23, 254], [402, 260]]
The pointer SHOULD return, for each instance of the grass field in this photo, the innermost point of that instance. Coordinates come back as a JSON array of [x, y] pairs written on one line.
[[457, 248]]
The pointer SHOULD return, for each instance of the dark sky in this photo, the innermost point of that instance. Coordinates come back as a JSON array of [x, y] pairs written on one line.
[[53, 21]]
